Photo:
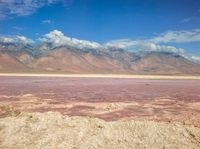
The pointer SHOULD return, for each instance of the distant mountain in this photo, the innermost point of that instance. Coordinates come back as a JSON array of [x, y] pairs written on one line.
[[165, 63], [15, 57]]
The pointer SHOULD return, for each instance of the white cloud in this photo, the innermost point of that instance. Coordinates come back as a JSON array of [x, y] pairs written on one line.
[[122, 43], [24, 40], [7, 39], [59, 39], [147, 46], [195, 58], [178, 37], [46, 21], [16, 39], [22, 7]]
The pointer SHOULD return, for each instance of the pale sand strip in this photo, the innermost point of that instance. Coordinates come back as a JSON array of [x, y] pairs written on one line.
[[102, 76]]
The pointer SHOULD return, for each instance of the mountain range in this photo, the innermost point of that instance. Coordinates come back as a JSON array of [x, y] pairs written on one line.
[[46, 58]]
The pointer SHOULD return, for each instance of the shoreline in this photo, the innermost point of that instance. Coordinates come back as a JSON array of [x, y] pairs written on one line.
[[122, 76]]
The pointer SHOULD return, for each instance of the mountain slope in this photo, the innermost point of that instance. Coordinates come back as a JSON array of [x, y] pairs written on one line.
[[67, 60], [11, 64]]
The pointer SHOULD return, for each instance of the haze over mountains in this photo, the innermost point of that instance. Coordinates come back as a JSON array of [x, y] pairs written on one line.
[[57, 53]]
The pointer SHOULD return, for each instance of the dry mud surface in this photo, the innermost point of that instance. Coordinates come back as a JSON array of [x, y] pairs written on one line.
[[53, 130]]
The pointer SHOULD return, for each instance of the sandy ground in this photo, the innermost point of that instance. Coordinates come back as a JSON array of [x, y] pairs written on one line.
[[53, 131]]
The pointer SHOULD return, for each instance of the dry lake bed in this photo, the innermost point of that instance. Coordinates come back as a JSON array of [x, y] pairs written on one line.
[[105, 98]]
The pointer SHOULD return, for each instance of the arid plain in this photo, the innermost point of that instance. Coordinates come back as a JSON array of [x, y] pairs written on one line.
[[110, 98]]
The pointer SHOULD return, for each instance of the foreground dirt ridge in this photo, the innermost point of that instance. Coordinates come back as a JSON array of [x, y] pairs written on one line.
[[52, 130]]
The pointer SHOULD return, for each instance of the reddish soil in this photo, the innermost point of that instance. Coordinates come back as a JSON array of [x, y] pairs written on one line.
[[106, 98]]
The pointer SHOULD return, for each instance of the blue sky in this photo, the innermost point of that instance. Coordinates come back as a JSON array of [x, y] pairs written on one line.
[[104, 20]]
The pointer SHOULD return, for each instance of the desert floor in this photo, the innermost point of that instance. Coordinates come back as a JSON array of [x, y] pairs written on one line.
[[105, 97]]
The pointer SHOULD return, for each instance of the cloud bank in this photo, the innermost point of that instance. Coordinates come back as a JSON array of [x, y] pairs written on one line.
[[147, 46], [155, 43], [178, 37]]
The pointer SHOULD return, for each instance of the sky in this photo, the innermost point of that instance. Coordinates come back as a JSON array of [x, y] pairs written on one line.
[[153, 24]]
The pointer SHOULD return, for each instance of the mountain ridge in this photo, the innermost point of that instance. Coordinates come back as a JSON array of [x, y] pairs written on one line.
[[67, 59]]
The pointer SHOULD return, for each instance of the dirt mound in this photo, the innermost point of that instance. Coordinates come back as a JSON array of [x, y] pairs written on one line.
[[52, 130]]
